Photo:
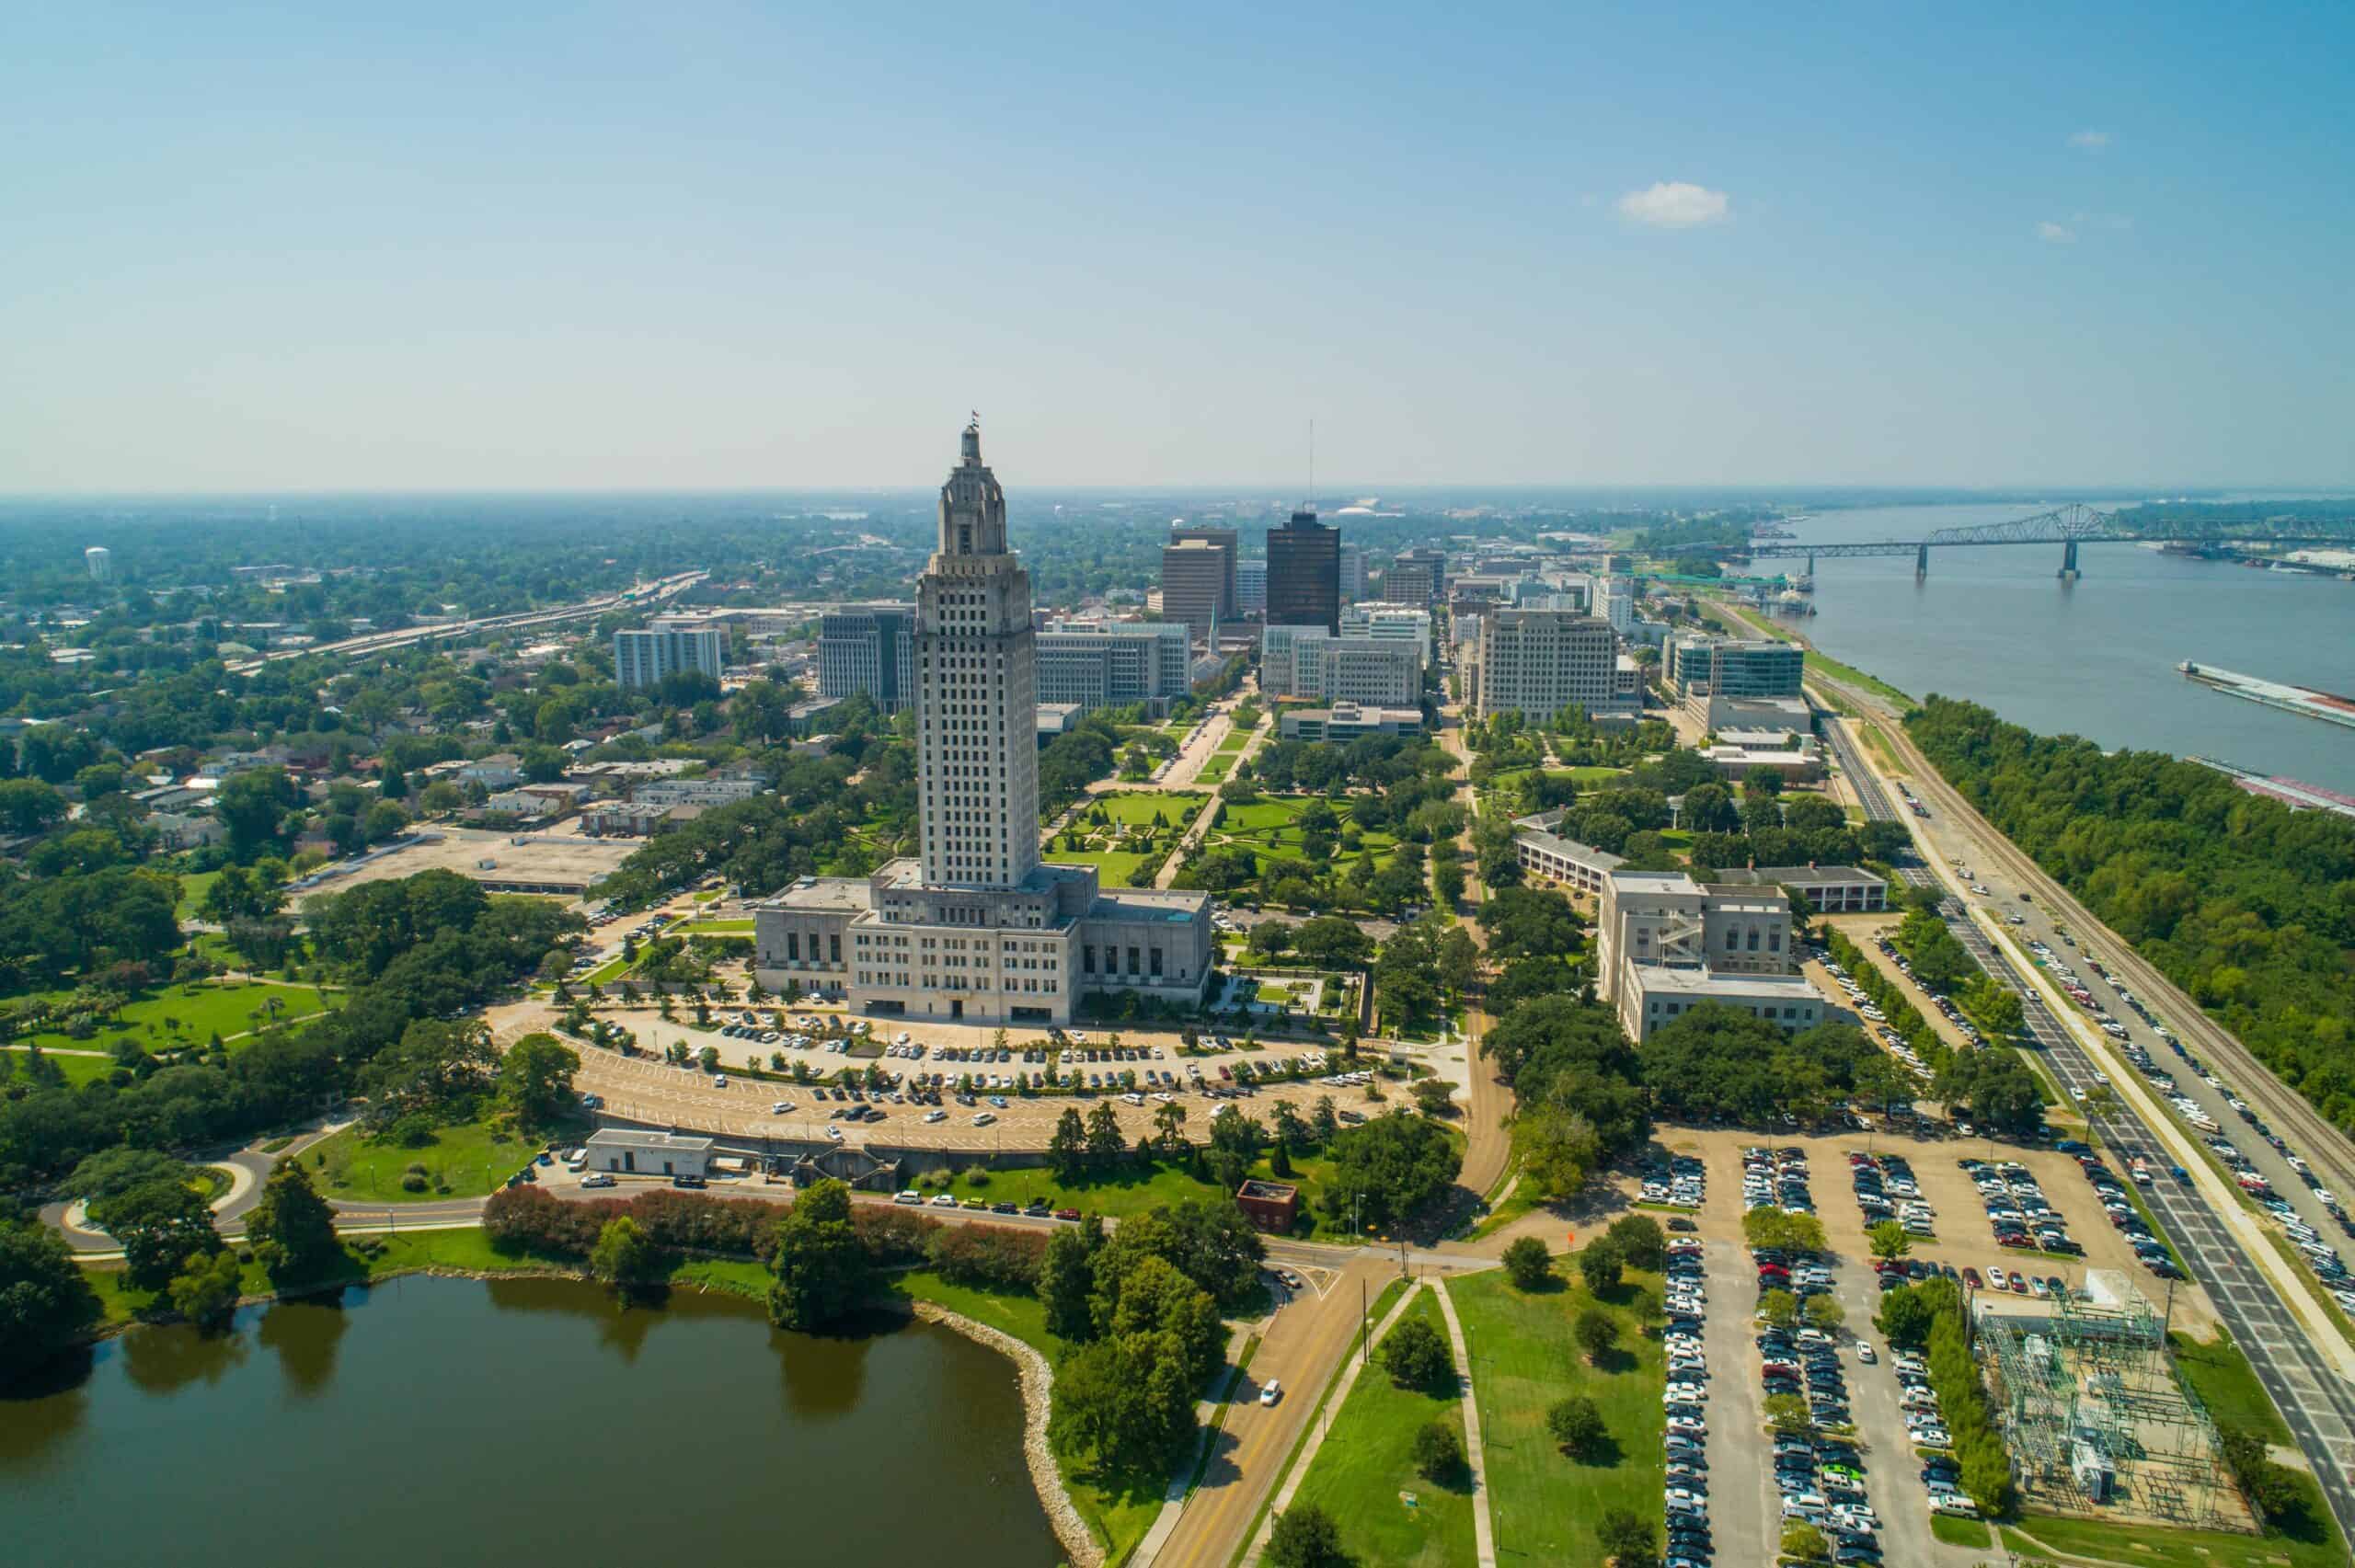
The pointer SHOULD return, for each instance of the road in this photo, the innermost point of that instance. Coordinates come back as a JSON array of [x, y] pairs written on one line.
[[2313, 1400], [382, 642]]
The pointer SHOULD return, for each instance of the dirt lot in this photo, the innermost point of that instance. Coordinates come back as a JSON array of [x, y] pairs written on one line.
[[648, 1090], [1964, 1237], [557, 857]]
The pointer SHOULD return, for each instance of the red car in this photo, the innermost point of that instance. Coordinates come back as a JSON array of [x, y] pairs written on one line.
[[1066, 1214], [1970, 1277]]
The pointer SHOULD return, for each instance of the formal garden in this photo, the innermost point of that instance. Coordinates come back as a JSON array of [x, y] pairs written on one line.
[[1125, 836]]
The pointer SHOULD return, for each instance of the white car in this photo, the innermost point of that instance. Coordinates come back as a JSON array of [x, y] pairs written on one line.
[[943, 1200], [1685, 1500], [1270, 1391], [931, 1117], [1953, 1503], [984, 1120], [907, 1199], [1864, 1352], [781, 1107], [598, 1179]]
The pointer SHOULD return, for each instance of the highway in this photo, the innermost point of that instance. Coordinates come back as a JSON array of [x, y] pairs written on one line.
[[2316, 1402], [384, 642]]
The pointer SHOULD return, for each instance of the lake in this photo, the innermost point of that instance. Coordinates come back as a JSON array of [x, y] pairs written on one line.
[[2094, 657], [522, 1421]]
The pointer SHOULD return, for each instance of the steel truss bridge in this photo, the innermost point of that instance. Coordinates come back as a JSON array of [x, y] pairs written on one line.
[[2071, 526]]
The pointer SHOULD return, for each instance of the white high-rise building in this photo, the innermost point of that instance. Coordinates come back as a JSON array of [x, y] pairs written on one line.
[[1396, 623], [1537, 662], [977, 927], [643, 657]]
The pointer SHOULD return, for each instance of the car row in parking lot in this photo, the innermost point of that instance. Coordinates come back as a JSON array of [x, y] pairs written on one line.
[[1775, 1178], [1926, 1428], [2018, 1210], [1685, 1400], [1818, 1473], [1886, 1190], [1679, 1181]]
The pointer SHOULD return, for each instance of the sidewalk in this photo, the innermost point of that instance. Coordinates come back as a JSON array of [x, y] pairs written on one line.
[[1484, 1532]]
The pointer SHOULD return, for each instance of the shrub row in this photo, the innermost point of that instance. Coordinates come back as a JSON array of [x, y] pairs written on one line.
[[1978, 1448]]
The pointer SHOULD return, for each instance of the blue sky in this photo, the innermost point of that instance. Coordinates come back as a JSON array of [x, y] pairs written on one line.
[[439, 247]]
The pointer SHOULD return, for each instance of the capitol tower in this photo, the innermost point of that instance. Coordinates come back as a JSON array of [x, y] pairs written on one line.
[[977, 724], [976, 928]]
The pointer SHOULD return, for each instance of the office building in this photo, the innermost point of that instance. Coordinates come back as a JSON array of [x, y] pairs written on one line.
[[1831, 889], [1347, 721], [1251, 587], [1665, 944], [1112, 664], [1415, 576], [1698, 666], [1308, 661], [869, 650], [1399, 622], [1198, 586], [1226, 539], [1546, 855], [100, 561], [645, 658], [1354, 579], [976, 927], [1304, 574], [1537, 662]]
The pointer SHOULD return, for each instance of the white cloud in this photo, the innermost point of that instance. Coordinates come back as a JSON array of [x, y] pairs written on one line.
[[2090, 140], [2056, 234], [1673, 204]]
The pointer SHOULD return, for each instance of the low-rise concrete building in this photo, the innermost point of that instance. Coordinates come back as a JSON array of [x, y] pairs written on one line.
[[632, 1151], [1547, 854], [1347, 721], [1796, 764], [1664, 944], [1831, 889]]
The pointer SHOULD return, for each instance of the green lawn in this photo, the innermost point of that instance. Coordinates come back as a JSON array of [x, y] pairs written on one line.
[[1366, 1465], [1112, 866], [2217, 1371], [1215, 769], [202, 1010], [1237, 741], [468, 1161], [1545, 1505], [1957, 1531], [1130, 1189], [2103, 1542], [1119, 1515], [1139, 807], [78, 1070], [194, 885]]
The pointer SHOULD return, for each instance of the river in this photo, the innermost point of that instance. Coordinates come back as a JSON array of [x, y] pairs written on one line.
[[522, 1421], [2096, 657]]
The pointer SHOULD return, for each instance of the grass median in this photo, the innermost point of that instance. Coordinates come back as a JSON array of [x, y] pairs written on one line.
[[1545, 1505], [1365, 1471]]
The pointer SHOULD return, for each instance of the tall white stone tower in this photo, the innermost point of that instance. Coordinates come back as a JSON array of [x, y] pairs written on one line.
[[977, 716]]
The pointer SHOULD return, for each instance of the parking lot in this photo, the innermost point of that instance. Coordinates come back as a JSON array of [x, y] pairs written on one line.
[[645, 1089]]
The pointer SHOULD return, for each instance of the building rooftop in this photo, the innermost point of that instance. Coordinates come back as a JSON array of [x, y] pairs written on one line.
[[1694, 980], [824, 894], [1799, 876], [1274, 1191], [1147, 904], [639, 1138]]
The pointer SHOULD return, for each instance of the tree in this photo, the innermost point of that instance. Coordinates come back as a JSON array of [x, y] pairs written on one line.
[[1805, 1543], [1067, 1148], [46, 1305], [1626, 1536], [1597, 1332], [1782, 1309], [1826, 1313], [1528, 1265], [1105, 1140], [1304, 1536], [1905, 1316], [205, 1289], [1641, 1240], [253, 805], [1329, 942], [29, 806], [1416, 1356], [1170, 1124], [821, 1267], [122, 1168], [1438, 1452], [1067, 1281], [1601, 1266], [1269, 939], [625, 1256], [1388, 1168], [1788, 1413], [160, 1225], [1575, 1424], [1125, 1400], [292, 1228], [536, 1080], [1888, 1241]]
